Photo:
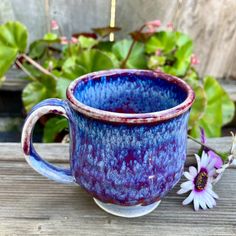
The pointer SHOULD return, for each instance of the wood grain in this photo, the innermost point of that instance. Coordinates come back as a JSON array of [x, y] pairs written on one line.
[[32, 205], [79, 15], [32, 14], [53, 152]]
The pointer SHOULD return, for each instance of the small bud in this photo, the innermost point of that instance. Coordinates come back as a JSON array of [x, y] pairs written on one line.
[[170, 25], [74, 40], [64, 40], [155, 23], [194, 60], [54, 25], [158, 52]]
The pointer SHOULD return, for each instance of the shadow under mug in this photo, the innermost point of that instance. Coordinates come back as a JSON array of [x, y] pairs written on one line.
[[128, 137]]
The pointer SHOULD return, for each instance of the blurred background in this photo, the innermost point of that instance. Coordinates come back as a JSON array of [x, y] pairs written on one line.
[[210, 24]]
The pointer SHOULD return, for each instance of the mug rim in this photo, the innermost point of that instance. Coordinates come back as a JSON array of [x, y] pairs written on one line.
[[134, 118]]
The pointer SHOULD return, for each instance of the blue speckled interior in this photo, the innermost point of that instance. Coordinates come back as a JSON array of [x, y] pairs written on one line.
[[129, 93]]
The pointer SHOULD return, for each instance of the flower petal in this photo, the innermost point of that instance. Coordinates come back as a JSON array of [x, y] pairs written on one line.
[[203, 135], [208, 200], [211, 172], [183, 190], [202, 201], [198, 162], [187, 185], [196, 202], [234, 162], [212, 193], [218, 159], [192, 171], [189, 198], [211, 164], [204, 159], [188, 175]]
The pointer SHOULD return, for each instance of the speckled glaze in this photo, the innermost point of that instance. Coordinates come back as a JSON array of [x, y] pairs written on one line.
[[128, 132]]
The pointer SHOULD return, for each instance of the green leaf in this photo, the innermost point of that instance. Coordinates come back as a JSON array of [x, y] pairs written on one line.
[[163, 40], [199, 105], [71, 50], [33, 93], [184, 52], [51, 37], [137, 57], [61, 87], [155, 61], [113, 58], [50, 63], [87, 42], [105, 46], [228, 107], [212, 120], [13, 40], [53, 127], [94, 60], [182, 39], [181, 67], [37, 49], [71, 68], [2, 79]]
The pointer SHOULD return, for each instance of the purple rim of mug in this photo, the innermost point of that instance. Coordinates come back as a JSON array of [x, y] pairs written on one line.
[[126, 118]]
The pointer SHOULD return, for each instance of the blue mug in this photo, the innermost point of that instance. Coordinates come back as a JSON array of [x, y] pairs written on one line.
[[128, 137]]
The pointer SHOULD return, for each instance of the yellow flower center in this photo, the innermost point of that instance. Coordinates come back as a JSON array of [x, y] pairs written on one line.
[[200, 180]]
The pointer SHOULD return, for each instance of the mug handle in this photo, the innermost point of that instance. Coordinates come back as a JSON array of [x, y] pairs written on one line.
[[55, 106]]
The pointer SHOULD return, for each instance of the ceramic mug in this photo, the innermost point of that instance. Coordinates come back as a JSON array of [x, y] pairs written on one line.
[[128, 137]]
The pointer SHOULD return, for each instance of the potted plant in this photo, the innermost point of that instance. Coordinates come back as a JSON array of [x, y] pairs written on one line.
[[52, 62]]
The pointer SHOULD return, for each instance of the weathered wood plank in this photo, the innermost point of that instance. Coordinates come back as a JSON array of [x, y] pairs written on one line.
[[211, 26], [79, 15], [130, 15], [14, 81], [59, 153], [32, 205], [230, 88], [32, 14], [209, 23], [6, 11]]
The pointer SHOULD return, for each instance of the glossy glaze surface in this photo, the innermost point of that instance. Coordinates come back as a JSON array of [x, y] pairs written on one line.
[[128, 133], [128, 164]]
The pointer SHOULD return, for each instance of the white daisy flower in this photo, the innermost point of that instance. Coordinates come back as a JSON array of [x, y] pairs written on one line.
[[200, 183]]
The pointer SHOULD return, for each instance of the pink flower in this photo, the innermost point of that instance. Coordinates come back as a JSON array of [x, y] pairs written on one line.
[[152, 25], [54, 25], [194, 60], [170, 25], [64, 40], [158, 52], [74, 40], [211, 154]]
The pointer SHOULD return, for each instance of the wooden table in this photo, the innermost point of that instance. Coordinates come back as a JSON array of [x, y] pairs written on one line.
[[32, 205]]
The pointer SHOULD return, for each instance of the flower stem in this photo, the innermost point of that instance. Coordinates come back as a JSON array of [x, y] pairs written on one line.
[[123, 64], [38, 66], [25, 70], [204, 145]]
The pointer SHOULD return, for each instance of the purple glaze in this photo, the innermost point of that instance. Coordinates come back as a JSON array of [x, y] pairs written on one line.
[[128, 132]]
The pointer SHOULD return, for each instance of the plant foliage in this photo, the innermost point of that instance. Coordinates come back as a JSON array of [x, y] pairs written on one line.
[[66, 59]]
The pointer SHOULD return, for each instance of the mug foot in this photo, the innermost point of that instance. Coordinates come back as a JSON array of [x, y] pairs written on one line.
[[127, 211]]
